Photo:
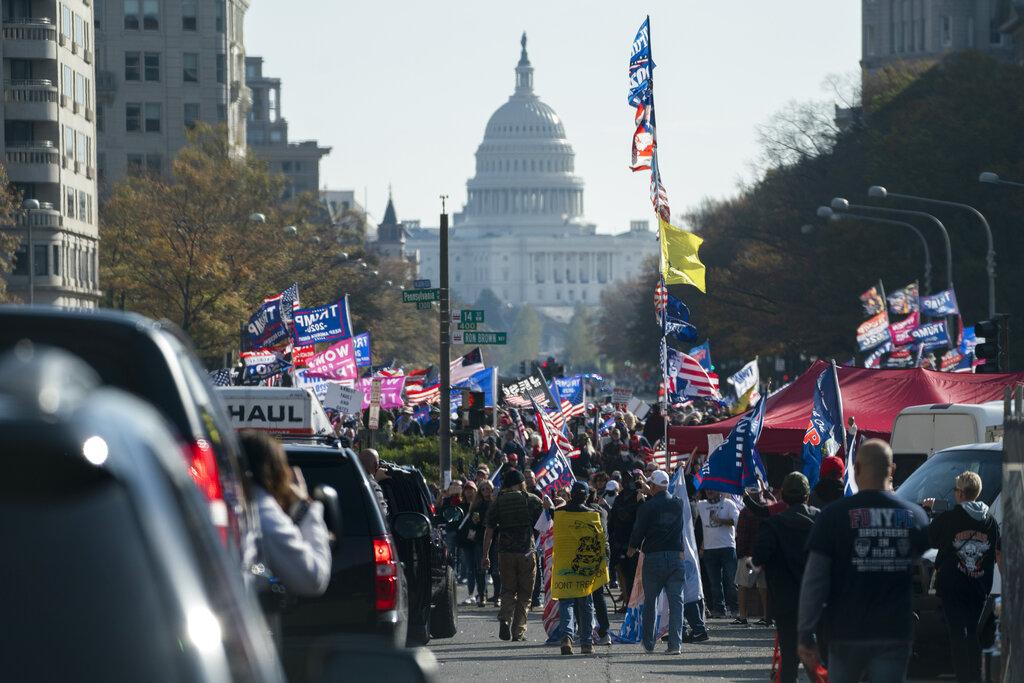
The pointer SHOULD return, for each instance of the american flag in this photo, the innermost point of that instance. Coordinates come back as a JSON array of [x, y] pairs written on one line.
[[669, 461], [550, 435], [289, 300], [551, 615], [659, 198], [466, 366], [660, 299], [568, 410], [423, 386], [518, 401], [517, 420], [699, 382], [221, 378]]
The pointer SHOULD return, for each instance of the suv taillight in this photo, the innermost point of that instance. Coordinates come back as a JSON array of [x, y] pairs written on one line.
[[202, 465], [386, 577]]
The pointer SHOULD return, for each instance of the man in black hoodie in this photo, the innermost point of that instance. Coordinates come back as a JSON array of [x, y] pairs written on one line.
[[781, 549], [967, 538]]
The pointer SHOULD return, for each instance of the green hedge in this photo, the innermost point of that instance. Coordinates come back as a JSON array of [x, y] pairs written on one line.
[[423, 452]]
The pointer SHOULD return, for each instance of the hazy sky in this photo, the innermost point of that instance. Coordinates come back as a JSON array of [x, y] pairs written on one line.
[[401, 90]]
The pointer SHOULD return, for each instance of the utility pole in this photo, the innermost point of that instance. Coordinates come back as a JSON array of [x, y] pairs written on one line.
[[445, 432]]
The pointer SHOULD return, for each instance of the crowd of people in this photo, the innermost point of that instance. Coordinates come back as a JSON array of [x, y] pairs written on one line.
[[830, 572]]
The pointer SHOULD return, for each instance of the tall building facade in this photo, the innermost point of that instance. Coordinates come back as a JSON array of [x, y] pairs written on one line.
[[161, 66], [925, 30], [49, 148], [267, 134], [522, 232]]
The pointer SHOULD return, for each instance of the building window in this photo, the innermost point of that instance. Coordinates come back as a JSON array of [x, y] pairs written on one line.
[[190, 67], [101, 165], [81, 148], [100, 118], [69, 202], [69, 143], [222, 112], [869, 39], [131, 15], [132, 117], [132, 66], [39, 252], [136, 162], [56, 259], [219, 18], [191, 114], [151, 15], [152, 66], [221, 68], [97, 14], [154, 164], [153, 111], [67, 81], [81, 90], [83, 208], [995, 13], [66, 22], [970, 31], [20, 261], [275, 136], [947, 31], [188, 15], [79, 33], [88, 208]]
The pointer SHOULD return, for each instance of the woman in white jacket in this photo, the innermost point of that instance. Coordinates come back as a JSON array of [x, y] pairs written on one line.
[[295, 541]]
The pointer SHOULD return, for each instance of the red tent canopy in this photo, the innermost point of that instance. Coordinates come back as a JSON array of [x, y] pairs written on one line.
[[872, 397]]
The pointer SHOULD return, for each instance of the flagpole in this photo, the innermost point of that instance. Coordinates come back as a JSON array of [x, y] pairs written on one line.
[[444, 325]]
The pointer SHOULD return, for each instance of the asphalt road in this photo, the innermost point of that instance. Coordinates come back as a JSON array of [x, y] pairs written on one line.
[[476, 654]]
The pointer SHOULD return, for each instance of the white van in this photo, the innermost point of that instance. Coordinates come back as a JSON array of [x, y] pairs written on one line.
[[282, 411], [920, 431]]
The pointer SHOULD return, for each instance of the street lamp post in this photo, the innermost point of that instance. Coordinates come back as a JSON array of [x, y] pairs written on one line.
[[30, 205], [842, 205], [835, 217], [990, 178], [879, 192]]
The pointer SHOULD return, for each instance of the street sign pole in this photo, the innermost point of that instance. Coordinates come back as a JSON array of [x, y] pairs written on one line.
[[445, 432]]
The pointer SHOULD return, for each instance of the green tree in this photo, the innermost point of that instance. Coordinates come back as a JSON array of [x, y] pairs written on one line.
[[523, 338], [626, 329], [580, 345], [8, 241]]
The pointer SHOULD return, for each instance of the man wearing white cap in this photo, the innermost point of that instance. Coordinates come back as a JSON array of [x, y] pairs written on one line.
[[659, 532]]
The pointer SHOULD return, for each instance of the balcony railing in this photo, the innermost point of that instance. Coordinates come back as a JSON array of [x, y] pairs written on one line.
[[43, 152], [30, 29], [34, 91], [44, 217]]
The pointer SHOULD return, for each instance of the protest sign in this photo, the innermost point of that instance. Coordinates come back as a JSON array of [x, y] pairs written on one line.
[[900, 330], [302, 354], [337, 363], [345, 399], [363, 350], [322, 324], [390, 391], [578, 559], [873, 331], [940, 305], [621, 395], [931, 336], [748, 376]]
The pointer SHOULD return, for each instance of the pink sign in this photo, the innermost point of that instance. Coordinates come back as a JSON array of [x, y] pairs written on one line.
[[337, 363], [390, 391], [901, 330]]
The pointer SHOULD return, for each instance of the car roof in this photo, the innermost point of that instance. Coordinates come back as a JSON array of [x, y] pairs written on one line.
[[994, 446]]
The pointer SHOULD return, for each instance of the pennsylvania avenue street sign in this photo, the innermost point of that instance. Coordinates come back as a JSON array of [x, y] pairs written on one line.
[[410, 296]]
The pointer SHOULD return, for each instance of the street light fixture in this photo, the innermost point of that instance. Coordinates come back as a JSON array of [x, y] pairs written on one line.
[[841, 204], [257, 218], [30, 205], [838, 216], [990, 178], [879, 192]]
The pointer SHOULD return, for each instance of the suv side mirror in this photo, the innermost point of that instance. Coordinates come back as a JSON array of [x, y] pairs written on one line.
[[410, 526], [332, 509], [452, 515]]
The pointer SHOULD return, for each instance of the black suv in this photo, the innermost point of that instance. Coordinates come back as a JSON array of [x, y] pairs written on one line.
[[155, 361], [112, 570], [367, 593], [433, 610]]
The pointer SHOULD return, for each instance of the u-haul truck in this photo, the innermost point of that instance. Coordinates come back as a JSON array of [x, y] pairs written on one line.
[[282, 411]]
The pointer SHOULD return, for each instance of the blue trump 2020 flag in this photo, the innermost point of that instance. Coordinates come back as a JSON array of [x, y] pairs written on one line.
[[702, 354], [677, 321], [825, 433], [322, 324], [735, 464], [553, 471]]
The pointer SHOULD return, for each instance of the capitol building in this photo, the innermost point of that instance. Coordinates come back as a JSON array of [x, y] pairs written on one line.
[[522, 232]]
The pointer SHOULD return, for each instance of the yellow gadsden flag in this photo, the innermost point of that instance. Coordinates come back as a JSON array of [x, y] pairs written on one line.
[[680, 264], [579, 565]]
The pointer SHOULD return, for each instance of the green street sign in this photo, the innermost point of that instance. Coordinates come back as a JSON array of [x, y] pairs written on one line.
[[485, 338], [467, 326], [472, 316], [424, 305], [410, 296]]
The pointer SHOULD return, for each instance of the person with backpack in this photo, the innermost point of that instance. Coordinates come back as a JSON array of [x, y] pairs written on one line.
[[512, 517], [967, 538], [781, 550]]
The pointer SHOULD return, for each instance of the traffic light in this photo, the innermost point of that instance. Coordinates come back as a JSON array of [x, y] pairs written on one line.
[[995, 351]]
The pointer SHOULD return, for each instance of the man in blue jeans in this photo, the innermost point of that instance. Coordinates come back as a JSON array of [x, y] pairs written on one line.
[[576, 615], [658, 531], [718, 516]]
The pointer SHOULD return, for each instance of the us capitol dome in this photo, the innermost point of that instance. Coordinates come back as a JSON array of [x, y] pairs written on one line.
[[522, 232]]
